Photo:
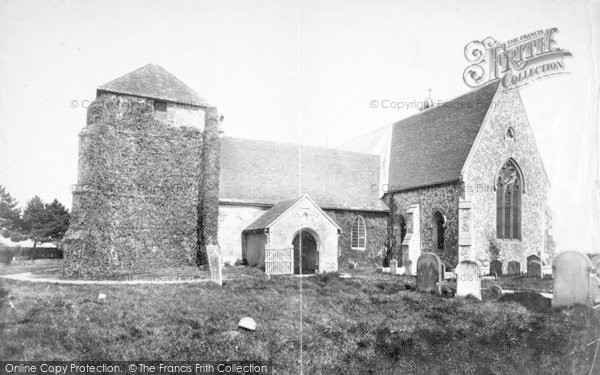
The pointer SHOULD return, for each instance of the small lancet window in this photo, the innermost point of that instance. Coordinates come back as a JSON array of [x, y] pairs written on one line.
[[510, 133]]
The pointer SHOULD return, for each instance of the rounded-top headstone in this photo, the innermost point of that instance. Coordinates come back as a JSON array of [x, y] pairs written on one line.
[[429, 273], [248, 324], [571, 271]]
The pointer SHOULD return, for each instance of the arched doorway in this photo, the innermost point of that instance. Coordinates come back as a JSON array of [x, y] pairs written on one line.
[[305, 242]]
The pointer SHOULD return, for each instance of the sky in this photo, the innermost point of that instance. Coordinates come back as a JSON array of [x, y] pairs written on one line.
[[303, 71]]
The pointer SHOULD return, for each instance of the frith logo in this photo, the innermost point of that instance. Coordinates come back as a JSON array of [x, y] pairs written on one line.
[[517, 62]]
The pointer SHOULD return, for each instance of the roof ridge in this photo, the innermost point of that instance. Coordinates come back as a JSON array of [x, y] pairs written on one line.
[[435, 146], [155, 82], [123, 75], [303, 145], [430, 109]]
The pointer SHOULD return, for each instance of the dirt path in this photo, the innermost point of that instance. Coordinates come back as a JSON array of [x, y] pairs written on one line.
[[28, 276]]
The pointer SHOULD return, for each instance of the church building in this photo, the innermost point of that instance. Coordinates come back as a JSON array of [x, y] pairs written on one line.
[[158, 182], [464, 180]]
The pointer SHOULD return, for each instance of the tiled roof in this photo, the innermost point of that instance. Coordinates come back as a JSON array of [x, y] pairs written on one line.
[[261, 172], [266, 219], [153, 81], [431, 147]]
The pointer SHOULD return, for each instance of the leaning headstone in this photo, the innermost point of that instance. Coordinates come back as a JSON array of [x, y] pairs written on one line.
[[534, 266], [595, 289], [571, 271], [393, 266], [467, 279], [495, 291], [429, 273], [513, 268], [496, 268], [215, 262]]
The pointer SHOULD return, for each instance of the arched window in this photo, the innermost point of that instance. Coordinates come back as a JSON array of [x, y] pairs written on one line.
[[439, 229], [509, 189], [402, 228], [510, 133], [358, 236]]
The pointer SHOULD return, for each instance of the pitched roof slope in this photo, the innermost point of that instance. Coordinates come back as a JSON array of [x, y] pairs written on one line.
[[266, 219], [153, 81], [261, 172], [431, 147]]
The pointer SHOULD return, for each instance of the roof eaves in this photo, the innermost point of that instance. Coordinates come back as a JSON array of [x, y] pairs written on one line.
[[415, 187], [125, 92]]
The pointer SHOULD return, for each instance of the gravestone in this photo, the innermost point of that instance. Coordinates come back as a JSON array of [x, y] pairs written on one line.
[[496, 268], [571, 271], [595, 289], [467, 279], [408, 267], [495, 291], [393, 266], [513, 268], [215, 262], [534, 266], [429, 273]]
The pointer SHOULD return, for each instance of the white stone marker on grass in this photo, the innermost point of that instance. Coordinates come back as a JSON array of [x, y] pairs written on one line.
[[393, 266], [467, 279], [215, 263]]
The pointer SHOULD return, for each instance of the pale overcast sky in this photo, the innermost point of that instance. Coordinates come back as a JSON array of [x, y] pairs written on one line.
[[280, 69]]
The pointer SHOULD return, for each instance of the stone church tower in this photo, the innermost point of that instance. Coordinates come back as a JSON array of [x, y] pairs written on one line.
[[147, 192]]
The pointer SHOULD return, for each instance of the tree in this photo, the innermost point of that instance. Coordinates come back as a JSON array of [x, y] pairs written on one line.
[[36, 221], [11, 225], [45, 222], [59, 220]]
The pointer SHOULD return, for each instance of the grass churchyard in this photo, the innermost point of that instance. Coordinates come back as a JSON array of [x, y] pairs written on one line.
[[369, 323]]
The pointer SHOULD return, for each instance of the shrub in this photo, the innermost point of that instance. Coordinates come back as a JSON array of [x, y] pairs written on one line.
[[532, 301]]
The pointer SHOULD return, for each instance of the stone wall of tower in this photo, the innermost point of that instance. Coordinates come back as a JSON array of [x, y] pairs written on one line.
[[135, 207]]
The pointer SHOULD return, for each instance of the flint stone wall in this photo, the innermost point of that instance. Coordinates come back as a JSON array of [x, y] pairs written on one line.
[[490, 152], [135, 205], [442, 198], [376, 224]]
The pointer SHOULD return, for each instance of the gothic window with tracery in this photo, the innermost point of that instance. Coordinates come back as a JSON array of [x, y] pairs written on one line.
[[509, 190]]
